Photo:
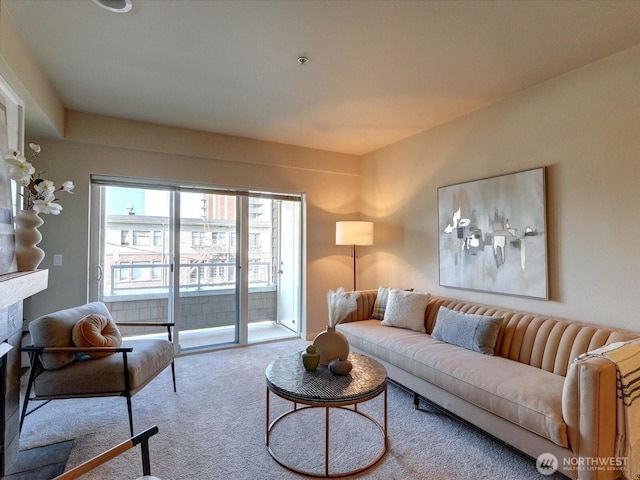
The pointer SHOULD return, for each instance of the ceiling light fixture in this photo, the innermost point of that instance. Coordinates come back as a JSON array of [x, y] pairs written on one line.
[[117, 6], [302, 60]]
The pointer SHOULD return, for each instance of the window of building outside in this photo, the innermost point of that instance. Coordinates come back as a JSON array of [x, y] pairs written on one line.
[[141, 238]]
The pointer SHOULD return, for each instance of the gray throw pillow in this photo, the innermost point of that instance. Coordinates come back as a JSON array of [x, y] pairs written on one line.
[[473, 332]]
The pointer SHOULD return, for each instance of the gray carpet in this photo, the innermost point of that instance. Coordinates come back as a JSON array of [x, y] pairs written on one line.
[[214, 428]]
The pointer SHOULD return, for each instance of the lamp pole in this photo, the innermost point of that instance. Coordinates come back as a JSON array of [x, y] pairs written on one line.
[[354, 268]]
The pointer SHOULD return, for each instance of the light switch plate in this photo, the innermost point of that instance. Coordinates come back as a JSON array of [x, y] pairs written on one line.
[[57, 260]]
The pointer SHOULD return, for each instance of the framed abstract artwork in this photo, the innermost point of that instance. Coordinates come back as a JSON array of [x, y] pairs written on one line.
[[493, 235], [11, 139]]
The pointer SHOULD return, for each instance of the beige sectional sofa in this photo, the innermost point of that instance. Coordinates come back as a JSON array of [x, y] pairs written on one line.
[[529, 394]]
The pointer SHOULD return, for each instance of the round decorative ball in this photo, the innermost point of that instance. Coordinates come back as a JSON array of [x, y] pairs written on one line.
[[339, 366]]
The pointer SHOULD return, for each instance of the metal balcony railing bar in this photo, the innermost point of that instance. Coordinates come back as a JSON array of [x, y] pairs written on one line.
[[195, 276]]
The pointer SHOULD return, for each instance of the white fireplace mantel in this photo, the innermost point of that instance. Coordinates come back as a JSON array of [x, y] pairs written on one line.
[[15, 287]]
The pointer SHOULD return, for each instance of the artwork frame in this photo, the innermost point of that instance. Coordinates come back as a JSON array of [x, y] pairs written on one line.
[[492, 234], [12, 123]]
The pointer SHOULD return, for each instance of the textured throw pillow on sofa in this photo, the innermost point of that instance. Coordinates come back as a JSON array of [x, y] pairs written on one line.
[[96, 331], [468, 330], [406, 310], [380, 304]]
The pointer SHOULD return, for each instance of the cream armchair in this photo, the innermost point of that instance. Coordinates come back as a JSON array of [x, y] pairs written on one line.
[[61, 369]]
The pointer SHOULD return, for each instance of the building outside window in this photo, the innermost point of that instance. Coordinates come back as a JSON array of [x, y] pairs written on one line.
[[142, 238]]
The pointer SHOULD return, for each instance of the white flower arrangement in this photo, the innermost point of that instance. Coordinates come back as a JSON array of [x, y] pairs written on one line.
[[39, 193], [341, 305]]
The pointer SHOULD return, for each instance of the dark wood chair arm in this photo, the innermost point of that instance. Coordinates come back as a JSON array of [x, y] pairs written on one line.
[[169, 326], [146, 324], [33, 349], [141, 438]]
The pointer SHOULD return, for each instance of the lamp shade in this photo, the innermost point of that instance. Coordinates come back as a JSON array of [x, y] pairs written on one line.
[[354, 233]]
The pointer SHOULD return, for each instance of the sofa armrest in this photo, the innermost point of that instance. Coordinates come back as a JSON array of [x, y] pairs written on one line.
[[365, 301], [589, 410]]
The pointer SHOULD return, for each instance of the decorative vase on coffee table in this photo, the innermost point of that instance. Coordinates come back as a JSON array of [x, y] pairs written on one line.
[[28, 254], [331, 344], [310, 358]]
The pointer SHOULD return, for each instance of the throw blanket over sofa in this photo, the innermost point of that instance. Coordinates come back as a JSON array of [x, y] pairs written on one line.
[[531, 393]]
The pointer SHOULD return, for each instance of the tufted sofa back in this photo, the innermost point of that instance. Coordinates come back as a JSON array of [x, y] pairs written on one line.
[[549, 343]]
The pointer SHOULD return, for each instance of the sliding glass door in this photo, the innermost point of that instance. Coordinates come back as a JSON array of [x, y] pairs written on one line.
[[224, 265], [208, 267]]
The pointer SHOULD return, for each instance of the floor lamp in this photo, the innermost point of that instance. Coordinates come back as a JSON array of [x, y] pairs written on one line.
[[354, 234]]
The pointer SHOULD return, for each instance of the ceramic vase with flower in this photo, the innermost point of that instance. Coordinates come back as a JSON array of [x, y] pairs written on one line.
[[39, 197], [332, 344], [28, 254]]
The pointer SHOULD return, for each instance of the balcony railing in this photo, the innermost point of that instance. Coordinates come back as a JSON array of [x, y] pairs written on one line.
[[144, 278]]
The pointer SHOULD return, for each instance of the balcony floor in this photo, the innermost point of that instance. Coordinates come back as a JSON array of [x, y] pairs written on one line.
[[258, 332], [204, 338]]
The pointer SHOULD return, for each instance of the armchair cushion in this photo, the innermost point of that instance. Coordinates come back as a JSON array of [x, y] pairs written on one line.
[[103, 376], [55, 330], [96, 331]]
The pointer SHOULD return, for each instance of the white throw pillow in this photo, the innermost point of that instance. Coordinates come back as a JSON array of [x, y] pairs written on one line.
[[406, 310]]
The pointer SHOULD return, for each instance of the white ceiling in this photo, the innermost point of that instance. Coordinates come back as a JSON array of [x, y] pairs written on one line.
[[378, 71]]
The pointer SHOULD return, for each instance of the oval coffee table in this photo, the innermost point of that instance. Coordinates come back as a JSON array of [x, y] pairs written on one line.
[[287, 378]]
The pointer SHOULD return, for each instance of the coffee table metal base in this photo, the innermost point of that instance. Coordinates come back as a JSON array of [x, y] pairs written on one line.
[[327, 474]]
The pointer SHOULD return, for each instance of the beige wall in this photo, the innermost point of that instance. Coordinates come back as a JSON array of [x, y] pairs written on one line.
[[585, 127], [99, 145], [20, 70]]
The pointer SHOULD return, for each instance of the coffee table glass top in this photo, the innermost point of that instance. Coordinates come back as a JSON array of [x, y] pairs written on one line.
[[287, 378]]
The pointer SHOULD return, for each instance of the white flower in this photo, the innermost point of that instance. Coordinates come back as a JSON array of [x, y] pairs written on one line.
[[20, 170], [24, 181], [38, 192], [47, 205], [68, 186], [45, 187], [15, 155]]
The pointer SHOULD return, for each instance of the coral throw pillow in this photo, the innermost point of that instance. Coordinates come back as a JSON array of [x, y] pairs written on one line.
[[96, 331]]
